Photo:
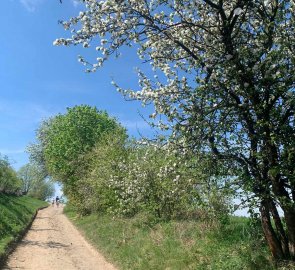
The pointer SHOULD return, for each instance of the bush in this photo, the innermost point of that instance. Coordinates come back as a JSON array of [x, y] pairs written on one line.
[[126, 179]]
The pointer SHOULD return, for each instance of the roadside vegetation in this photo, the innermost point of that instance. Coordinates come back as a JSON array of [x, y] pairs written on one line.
[[137, 243], [28, 180], [16, 213], [146, 205], [16, 209], [9, 182]]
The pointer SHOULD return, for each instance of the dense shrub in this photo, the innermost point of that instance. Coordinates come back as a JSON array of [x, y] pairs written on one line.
[[102, 171], [124, 178]]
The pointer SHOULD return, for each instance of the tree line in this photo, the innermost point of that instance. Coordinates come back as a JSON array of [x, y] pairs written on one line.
[[104, 171], [28, 180]]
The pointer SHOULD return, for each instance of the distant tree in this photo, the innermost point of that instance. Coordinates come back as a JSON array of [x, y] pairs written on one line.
[[27, 174], [36, 150], [42, 189], [34, 182], [229, 86]]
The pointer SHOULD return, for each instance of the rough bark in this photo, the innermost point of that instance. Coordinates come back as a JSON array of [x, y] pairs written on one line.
[[289, 213], [270, 236], [280, 230]]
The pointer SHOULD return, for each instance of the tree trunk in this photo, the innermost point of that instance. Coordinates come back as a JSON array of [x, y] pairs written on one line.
[[270, 236], [289, 213], [280, 229]]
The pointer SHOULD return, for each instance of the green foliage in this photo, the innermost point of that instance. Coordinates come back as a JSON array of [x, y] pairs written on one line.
[[9, 182], [42, 189], [73, 134], [16, 213], [36, 150], [125, 178], [34, 182], [102, 163], [27, 173], [65, 139], [102, 171], [134, 243]]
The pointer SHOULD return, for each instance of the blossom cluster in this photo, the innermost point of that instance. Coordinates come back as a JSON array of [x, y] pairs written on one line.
[[208, 61]]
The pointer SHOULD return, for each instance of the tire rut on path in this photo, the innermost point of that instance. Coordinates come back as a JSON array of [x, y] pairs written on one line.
[[54, 243]]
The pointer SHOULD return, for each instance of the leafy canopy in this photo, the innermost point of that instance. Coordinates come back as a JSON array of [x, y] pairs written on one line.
[[65, 137]]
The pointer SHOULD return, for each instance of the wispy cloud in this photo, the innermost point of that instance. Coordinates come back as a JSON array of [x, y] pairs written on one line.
[[11, 151], [135, 124], [31, 5], [76, 3], [22, 115]]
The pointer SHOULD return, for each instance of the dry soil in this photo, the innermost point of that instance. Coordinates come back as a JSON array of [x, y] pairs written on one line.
[[54, 243]]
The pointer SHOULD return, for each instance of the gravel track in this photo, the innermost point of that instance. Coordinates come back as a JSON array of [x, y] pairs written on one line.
[[54, 243]]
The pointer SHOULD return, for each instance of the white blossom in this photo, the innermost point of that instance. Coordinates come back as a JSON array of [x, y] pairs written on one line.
[[238, 11]]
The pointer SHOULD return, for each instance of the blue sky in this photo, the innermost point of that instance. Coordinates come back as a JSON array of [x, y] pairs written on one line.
[[39, 80]]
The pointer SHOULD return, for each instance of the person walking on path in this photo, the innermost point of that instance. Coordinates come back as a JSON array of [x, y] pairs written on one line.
[[57, 201]]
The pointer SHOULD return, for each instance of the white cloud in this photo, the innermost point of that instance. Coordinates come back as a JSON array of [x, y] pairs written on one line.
[[76, 3], [31, 5]]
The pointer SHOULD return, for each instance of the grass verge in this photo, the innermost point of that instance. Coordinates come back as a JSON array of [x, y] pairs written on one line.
[[135, 244], [16, 214]]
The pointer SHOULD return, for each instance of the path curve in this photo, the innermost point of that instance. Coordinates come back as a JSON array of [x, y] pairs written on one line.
[[54, 243]]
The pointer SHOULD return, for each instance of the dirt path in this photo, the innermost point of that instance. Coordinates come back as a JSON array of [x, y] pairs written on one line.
[[54, 243]]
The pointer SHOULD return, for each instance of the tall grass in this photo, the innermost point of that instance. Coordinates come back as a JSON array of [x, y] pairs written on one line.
[[137, 244]]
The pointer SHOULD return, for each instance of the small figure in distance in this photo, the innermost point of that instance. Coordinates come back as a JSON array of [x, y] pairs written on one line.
[[52, 202], [57, 201]]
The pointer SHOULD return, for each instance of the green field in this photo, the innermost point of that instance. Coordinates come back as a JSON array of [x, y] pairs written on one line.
[[15, 215], [136, 244]]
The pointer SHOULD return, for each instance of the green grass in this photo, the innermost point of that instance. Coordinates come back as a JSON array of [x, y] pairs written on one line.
[[134, 244], [15, 215]]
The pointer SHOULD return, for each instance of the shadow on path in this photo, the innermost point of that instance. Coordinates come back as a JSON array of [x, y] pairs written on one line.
[[46, 245], [40, 230]]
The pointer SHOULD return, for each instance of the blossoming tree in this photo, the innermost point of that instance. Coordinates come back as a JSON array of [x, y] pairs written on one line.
[[224, 80]]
